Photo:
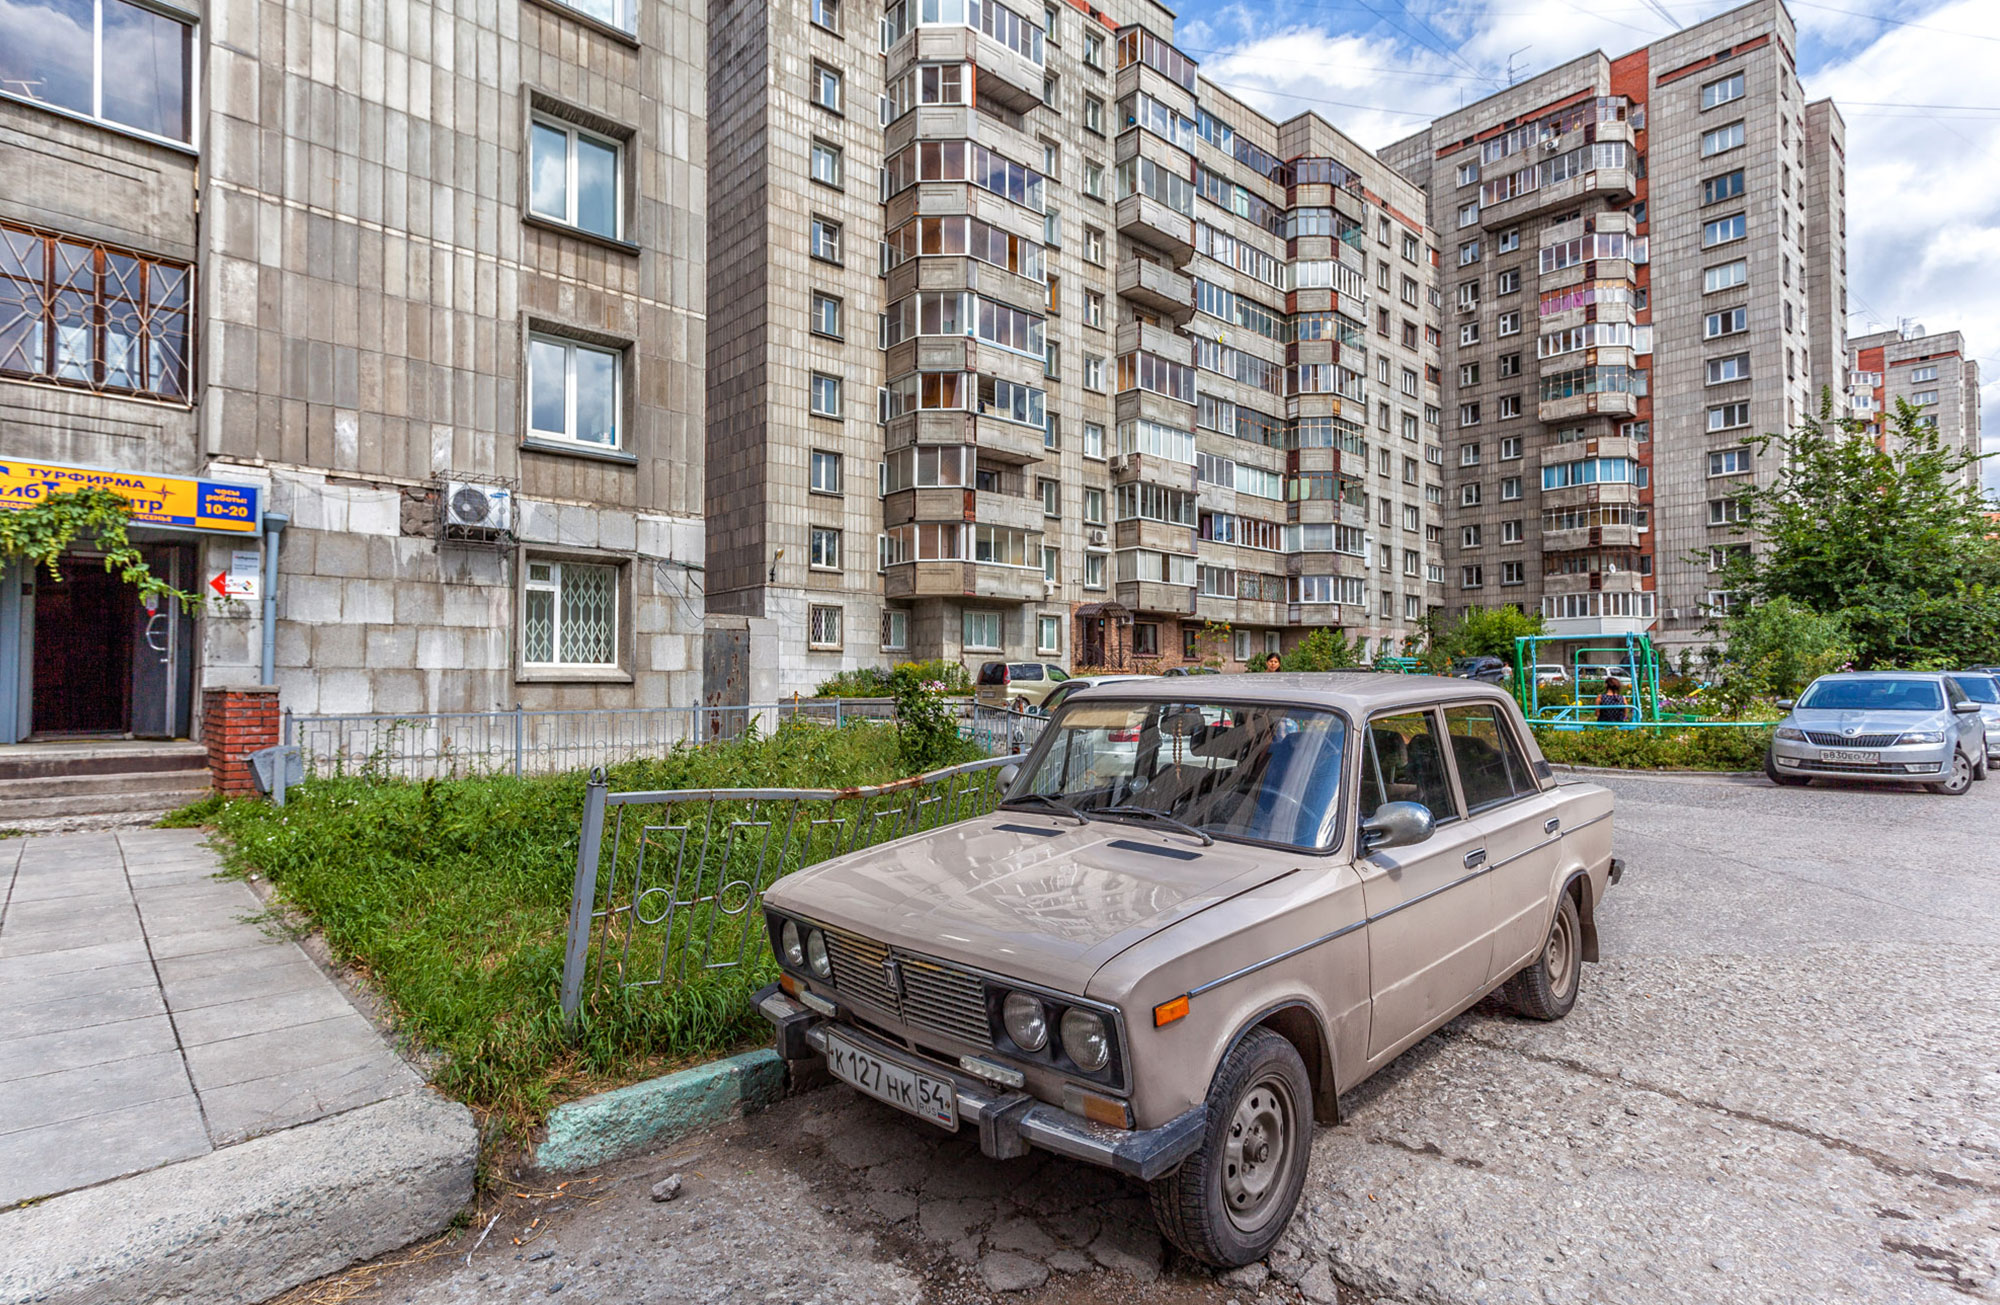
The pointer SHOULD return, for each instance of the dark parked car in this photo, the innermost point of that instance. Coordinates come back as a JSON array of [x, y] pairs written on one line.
[[1491, 670]]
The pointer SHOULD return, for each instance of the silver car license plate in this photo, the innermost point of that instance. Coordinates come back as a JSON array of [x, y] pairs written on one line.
[[899, 1085], [1858, 758]]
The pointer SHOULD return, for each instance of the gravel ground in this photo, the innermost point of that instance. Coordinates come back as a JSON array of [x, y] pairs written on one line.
[[1780, 1086]]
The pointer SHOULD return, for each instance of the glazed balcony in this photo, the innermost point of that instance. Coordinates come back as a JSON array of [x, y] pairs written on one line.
[[1568, 541], [1605, 403], [1156, 597], [964, 580]]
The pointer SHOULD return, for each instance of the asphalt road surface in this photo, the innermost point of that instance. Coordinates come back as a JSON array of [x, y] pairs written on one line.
[[1781, 1085]]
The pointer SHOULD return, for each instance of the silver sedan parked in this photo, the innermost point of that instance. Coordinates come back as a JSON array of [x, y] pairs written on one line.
[[1984, 689], [1881, 725]]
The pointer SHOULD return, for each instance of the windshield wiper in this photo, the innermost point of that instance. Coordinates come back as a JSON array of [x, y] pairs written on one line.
[[1060, 807], [1161, 816]]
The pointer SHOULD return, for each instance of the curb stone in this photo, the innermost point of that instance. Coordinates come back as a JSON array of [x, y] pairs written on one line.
[[1730, 776], [646, 1116]]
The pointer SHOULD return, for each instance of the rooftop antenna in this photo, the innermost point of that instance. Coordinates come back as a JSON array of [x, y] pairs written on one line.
[[1510, 62]]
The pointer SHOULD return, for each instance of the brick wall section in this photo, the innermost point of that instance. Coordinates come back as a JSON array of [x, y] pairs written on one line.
[[237, 720]]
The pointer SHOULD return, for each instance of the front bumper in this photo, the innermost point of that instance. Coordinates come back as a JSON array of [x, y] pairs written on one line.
[[1009, 1122], [1906, 763]]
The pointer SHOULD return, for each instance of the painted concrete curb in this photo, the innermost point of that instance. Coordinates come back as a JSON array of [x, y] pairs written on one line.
[[649, 1115], [1732, 776], [248, 1221]]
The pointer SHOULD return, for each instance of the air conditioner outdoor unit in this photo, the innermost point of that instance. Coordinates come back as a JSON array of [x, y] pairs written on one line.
[[1098, 536], [471, 506]]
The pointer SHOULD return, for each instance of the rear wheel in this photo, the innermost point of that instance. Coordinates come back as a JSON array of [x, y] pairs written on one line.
[[1780, 778], [1961, 777], [1228, 1202], [1547, 988]]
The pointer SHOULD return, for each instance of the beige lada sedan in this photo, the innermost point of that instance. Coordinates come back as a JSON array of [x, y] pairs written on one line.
[[1172, 959]]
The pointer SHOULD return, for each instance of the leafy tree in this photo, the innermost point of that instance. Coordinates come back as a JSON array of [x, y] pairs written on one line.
[[42, 532], [1212, 643], [926, 731], [1481, 632], [1777, 648], [1324, 650], [1890, 537]]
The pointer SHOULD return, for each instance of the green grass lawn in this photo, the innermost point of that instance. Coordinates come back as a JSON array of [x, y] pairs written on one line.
[[451, 896]]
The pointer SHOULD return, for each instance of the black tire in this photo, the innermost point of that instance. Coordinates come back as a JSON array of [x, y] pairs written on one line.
[[1960, 782], [1547, 988], [1780, 778], [1981, 767], [1221, 1206]]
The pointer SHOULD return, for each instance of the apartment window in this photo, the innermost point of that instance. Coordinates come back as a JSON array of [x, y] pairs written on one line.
[[1093, 570], [81, 314], [1412, 517], [1924, 398], [1051, 564], [1410, 382], [1510, 406], [1093, 114], [1468, 295], [1510, 322], [1052, 227], [1512, 573], [1048, 635], [826, 164], [1468, 214], [1468, 495], [1510, 365], [1508, 282], [1093, 51], [826, 87], [1468, 333], [1093, 434], [1918, 374], [1468, 173], [1727, 276], [1051, 491], [1729, 321], [1471, 536], [1509, 241], [1409, 335], [573, 392], [1727, 186], [825, 395], [1728, 462], [1468, 454], [1051, 88], [1736, 367], [1382, 322], [1722, 92], [1722, 140], [1727, 511], [826, 240], [574, 177], [825, 472], [1468, 254], [1409, 425], [105, 59], [1510, 448], [825, 315], [1382, 231], [1093, 507], [1510, 490], [1052, 360], [1093, 246], [1411, 248], [1409, 290], [569, 614], [1093, 374], [826, 13], [1093, 309], [1471, 577], [824, 546], [823, 626], [982, 631], [1729, 416], [1146, 639], [1510, 532], [1723, 230], [1093, 180], [1468, 415], [895, 630]]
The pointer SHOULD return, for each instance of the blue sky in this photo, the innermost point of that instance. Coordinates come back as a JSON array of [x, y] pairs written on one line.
[[1915, 81]]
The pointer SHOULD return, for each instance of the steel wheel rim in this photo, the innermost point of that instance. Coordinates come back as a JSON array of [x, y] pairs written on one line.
[[1961, 773], [1559, 957], [1257, 1153]]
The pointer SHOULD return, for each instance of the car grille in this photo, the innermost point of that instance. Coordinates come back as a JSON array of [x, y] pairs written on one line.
[[1860, 767], [1826, 740], [934, 995]]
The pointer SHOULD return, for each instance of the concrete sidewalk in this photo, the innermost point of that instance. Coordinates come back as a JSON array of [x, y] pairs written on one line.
[[145, 1020]]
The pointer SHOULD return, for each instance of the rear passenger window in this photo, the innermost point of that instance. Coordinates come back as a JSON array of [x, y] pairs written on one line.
[[1404, 764], [1491, 769], [1028, 672]]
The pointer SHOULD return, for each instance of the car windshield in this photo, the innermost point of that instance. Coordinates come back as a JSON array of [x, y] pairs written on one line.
[[1268, 773], [1873, 695], [1979, 688]]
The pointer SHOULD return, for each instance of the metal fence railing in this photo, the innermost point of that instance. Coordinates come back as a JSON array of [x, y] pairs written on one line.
[[440, 745], [668, 884], [1002, 731]]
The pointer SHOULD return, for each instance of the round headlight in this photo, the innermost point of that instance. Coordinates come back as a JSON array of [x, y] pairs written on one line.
[[1084, 1038], [1026, 1021], [816, 954], [794, 949]]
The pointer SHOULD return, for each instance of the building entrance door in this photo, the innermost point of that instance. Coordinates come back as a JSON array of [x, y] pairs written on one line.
[[106, 663]]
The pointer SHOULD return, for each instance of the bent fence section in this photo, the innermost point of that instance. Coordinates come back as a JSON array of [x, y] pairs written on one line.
[[668, 884]]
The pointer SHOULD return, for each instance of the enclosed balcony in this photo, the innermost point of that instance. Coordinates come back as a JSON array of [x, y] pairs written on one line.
[[1155, 597], [1151, 222], [1158, 287]]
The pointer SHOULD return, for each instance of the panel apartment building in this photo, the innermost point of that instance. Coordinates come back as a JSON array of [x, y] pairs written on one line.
[[1644, 261], [1931, 371], [426, 281], [1028, 342]]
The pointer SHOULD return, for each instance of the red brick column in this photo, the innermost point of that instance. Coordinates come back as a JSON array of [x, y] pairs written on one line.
[[237, 720]]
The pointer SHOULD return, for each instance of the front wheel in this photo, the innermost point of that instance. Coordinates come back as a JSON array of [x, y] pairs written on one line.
[[1781, 779], [1547, 988], [1228, 1202], [1960, 782]]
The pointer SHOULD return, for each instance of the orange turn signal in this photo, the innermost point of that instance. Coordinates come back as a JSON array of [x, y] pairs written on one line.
[[1168, 1011], [789, 984]]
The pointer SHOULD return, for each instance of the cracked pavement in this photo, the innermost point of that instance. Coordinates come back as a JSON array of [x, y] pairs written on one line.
[[1780, 1086]]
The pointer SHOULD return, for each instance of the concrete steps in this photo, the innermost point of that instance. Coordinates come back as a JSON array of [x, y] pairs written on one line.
[[44, 781]]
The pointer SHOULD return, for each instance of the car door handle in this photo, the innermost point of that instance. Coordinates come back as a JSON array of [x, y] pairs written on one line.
[[1552, 824], [1477, 856]]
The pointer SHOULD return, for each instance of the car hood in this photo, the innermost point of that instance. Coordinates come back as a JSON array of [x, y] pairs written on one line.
[[1027, 895], [1869, 722]]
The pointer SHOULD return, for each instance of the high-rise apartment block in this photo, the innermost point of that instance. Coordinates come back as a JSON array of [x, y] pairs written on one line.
[[1028, 342], [1932, 371], [1644, 261], [426, 280]]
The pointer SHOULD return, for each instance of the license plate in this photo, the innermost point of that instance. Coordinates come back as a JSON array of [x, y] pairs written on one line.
[[1862, 758], [899, 1085]]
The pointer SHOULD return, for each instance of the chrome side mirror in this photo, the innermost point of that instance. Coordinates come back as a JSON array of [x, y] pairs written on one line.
[[1397, 824], [1785, 704], [1965, 708]]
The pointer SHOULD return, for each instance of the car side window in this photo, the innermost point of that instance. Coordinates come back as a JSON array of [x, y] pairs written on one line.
[[1491, 769], [1403, 762], [1953, 695], [1057, 675]]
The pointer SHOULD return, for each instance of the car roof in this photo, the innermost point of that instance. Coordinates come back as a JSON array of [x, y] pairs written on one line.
[[1356, 692], [1883, 675]]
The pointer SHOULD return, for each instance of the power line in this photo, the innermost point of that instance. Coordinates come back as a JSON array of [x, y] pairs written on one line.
[[1339, 65], [1313, 99], [1893, 22]]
